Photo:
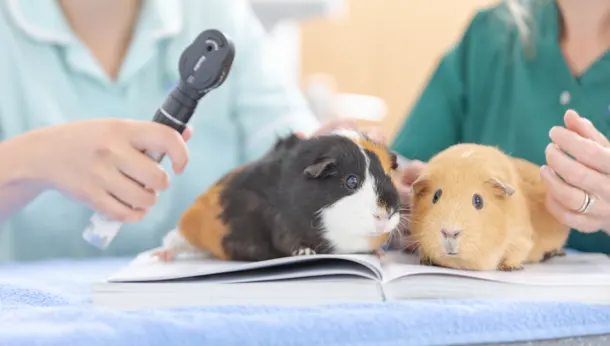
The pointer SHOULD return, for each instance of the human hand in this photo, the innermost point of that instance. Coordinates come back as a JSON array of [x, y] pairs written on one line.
[[410, 173], [101, 163], [586, 176], [373, 132]]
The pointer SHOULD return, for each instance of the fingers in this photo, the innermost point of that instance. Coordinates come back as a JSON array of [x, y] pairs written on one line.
[[142, 169], [586, 151], [375, 134], [336, 125], [568, 196], [109, 206], [574, 173], [157, 138], [127, 191], [583, 223], [187, 134], [412, 171], [584, 128], [404, 192]]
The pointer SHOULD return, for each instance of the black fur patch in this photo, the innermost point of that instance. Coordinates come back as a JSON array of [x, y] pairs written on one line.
[[270, 206], [387, 193]]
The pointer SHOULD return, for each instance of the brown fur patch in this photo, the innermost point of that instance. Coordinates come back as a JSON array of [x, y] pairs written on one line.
[[380, 150], [201, 225]]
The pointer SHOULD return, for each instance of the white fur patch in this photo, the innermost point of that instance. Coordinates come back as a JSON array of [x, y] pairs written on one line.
[[347, 133], [350, 222], [175, 242], [467, 153]]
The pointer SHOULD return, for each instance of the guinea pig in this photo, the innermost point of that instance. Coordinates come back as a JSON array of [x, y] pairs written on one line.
[[476, 208], [550, 235], [326, 194]]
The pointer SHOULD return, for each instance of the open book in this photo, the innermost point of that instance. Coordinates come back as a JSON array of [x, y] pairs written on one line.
[[148, 282]]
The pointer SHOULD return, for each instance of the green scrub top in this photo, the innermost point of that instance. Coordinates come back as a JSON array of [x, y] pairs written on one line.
[[487, 90]]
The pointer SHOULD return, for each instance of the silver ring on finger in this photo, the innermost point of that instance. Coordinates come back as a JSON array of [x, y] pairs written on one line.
[[586, 204]]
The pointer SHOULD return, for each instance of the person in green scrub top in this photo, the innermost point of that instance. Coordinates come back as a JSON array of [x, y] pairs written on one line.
[[533, 78], [80, 81]]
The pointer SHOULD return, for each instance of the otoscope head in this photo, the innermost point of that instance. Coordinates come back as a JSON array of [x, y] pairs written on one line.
[[205, 64]]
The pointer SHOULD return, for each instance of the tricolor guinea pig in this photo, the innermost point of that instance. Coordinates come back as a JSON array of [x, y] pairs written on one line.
[[326, 194], [476, 208]]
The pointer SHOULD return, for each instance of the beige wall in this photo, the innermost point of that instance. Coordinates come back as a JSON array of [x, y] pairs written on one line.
[[386, 48]]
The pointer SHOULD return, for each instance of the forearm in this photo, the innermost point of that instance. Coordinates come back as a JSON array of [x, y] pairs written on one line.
[[17, 188]]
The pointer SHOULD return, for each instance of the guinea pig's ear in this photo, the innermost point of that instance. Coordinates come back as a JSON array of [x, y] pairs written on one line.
[[393, 161], [502, 188], [420, 185], [322, 168]]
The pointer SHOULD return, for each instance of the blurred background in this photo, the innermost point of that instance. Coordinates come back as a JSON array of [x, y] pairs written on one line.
[[366, 59]]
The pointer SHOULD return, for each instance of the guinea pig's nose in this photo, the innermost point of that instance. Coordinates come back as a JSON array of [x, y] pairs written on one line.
[[453, 233]]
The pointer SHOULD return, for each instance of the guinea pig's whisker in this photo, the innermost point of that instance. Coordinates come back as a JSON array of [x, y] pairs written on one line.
[[315, 249], [415, 222], [403, 221]]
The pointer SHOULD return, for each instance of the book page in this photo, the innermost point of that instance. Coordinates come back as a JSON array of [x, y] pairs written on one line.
[[148, 268], [573, 269]]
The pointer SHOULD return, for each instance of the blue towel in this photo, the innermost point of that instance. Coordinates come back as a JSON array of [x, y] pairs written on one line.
[[48, 303]]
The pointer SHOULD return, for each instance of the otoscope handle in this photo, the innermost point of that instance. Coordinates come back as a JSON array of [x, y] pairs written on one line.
[[176, 111], [204, 65]]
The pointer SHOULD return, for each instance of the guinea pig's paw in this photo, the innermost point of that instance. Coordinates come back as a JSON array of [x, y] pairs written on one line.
[[428, 262], [553, 253], [425, 261], [509, 267], [303, 251], [164, 254]]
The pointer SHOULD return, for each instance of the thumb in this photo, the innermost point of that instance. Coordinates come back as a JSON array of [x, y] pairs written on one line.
[[412, 171], [187, 133], [584, 127]]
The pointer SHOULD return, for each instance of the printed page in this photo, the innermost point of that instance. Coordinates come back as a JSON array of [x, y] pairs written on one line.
[[148, 268], [573, 269]]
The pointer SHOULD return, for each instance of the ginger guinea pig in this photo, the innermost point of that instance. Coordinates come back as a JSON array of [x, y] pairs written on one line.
[[550, 235], [476, 208], [326, 194]]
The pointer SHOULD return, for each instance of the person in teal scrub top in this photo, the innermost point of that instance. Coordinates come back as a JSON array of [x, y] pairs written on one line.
[[80, 81], [533, 78]]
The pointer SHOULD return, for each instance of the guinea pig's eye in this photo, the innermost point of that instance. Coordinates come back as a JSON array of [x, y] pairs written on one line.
[[477, 201], [351, 181], [437, 195]]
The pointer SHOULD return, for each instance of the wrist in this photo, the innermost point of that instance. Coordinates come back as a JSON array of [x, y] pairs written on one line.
[[19, 168]]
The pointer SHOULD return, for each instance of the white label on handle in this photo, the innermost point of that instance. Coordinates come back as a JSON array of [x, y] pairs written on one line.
[[101, 231]]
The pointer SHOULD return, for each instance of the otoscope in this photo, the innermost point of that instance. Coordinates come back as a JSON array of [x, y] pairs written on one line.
[[203, 66]]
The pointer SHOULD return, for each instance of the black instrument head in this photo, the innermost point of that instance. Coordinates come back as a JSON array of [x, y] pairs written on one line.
[[205, 64]]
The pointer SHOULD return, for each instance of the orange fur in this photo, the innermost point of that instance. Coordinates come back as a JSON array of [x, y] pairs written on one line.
[[493, 237], [549, 234], [201, 225], [511, 229], [380, 150], [378, 241]]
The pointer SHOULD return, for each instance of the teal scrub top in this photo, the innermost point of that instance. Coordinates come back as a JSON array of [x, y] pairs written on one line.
[[48, 77], [487, 90]]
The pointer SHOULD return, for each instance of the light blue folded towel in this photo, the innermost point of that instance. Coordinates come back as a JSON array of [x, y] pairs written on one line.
[[49, 304]]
